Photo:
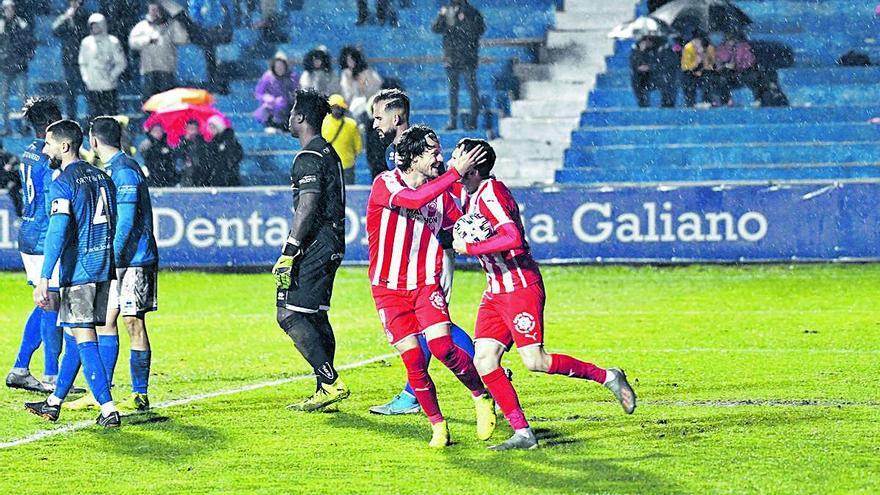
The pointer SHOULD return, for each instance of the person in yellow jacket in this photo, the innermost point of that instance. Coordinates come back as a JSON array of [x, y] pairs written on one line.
[[698, 69], [343, 134]]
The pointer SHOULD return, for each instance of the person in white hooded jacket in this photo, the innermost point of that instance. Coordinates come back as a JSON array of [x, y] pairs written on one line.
[[101, 62]]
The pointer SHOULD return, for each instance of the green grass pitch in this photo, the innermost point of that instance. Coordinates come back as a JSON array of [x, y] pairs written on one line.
[[750, 380]]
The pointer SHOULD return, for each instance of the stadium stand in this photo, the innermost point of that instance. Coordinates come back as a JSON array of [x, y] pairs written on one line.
[[824, 134], [410, 54]]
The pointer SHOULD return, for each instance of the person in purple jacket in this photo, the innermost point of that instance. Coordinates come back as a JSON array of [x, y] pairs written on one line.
[[275, 92]]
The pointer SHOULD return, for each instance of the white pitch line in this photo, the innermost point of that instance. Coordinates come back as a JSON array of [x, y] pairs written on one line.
[[187, 400]]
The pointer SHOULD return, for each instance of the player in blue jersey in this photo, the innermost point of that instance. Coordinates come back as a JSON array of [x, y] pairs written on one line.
[[82, 220], [390, 119], [133, 294], [42, 325]]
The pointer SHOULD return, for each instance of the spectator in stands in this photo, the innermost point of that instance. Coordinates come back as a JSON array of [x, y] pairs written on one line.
[[209, 24], [275, 92], [735, 63], [461, 26], [318, 72], [101, 62], [70, 28], [158, 158], [358, 81], [270, 24], [698, 70], [384, 11], [17, 46], [224, 155], [654, 67], [156, 38], [192, 151], [343, 134]]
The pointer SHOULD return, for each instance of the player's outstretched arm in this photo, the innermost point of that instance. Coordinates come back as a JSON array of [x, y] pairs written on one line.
[[507, 237], [414, 199]]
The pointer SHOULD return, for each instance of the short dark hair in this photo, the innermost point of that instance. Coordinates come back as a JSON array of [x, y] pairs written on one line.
[[313, 106], [67, 130], [107, 130], [412, 144], [394, 98], [40, 112], [192, 122], [485, 168]]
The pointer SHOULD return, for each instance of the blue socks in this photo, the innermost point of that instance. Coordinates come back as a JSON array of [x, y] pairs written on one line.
[[51, 334], [69, 367], [108, 347], [94, 372], [459, 337], [140, 370], [30, 339]]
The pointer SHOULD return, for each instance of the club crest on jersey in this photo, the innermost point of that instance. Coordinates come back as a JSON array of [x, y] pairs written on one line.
[[524, 323], [438, 301]]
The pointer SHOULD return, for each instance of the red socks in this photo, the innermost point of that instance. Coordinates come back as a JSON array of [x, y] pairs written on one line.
[[458, 362], [423, 387], [560, 364], [504, 394]]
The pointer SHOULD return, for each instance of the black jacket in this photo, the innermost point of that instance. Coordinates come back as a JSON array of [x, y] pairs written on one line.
[[159, 160], [17, 44], [71, 33], [461, 39], [224, 156], [194, 155], [663, 62]]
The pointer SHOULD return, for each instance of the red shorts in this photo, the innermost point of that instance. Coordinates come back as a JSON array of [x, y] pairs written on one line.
[[514, 317], [409, 312]]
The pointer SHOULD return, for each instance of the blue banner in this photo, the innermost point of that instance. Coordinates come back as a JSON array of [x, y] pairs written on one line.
[[245, 227]]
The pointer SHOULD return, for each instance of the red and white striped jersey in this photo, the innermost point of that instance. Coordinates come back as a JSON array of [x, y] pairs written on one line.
[[404, 251], [513, 268]]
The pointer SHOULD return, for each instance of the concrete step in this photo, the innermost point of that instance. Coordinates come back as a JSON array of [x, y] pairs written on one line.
[[592, 40], [554, 90], [543, 72], [541, 108], [516, 172], [579, 21], [553, 129], [529, 148], [599, 6]]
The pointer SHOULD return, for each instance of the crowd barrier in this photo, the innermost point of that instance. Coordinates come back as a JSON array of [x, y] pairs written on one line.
[[245, 227]]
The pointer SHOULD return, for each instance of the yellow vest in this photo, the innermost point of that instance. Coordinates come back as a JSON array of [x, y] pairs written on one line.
[[346, 141]]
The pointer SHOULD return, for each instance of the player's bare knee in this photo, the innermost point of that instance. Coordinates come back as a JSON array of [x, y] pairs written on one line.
[[136, 328], [485, 362], [535, 360]]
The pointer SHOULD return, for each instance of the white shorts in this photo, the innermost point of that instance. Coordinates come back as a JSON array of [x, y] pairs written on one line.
[[134, 292], [33, 265], [84, 306]]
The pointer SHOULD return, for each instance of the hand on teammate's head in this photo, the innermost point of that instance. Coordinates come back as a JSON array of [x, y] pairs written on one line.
[[469, 160]]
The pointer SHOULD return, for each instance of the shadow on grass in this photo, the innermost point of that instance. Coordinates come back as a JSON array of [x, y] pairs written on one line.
[[158, 438], [551, 468]]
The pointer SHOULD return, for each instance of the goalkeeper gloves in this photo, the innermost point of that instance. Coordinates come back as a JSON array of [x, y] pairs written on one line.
[[283, 269]]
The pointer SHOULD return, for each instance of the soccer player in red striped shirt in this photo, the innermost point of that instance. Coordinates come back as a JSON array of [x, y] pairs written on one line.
[[405, 213], [512, 308]]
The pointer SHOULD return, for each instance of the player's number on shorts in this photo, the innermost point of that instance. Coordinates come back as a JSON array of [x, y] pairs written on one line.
[[29, 182], [100, 213]]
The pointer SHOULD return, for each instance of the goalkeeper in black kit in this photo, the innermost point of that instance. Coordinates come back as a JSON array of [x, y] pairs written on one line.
[[305, 271]]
